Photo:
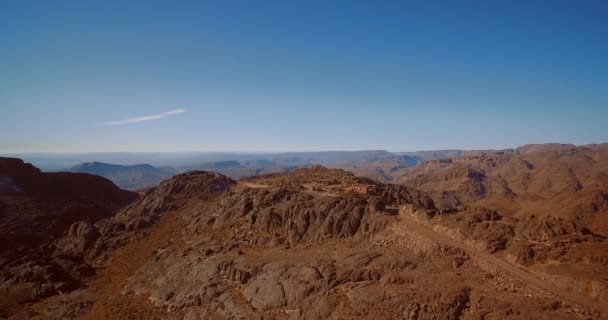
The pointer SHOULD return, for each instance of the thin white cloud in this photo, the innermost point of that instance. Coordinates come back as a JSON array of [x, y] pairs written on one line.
[[145, 118]]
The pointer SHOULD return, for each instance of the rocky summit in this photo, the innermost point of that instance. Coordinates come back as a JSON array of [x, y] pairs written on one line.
[[313, 243]]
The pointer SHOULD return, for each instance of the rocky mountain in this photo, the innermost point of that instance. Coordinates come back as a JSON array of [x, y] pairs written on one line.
[[130, 177], [559, 180], [542, 206], [317, 243], [36, 209]]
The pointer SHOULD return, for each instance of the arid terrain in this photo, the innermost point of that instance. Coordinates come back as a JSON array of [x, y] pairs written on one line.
[[303, 160], [511, 234]]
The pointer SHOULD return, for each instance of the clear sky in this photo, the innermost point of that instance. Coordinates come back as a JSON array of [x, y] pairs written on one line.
[[80, 76]]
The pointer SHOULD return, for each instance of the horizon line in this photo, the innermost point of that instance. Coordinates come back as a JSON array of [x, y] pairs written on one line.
[[293, 151]]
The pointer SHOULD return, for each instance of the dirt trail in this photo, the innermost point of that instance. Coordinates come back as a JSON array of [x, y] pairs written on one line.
[[253, 185], [518, 272]]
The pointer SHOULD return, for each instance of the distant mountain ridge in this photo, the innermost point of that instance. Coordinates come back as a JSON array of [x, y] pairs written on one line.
[[129, 177], [380, 165]]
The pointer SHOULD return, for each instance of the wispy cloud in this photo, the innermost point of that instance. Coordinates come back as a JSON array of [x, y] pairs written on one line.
[[145, 118]]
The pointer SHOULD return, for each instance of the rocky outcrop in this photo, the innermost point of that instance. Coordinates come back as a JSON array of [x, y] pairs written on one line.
[[44, 205], [316, 174], [63, 186], [555, 229], [95, 242], [293, 215], [304, 284], [169, 195], [86, 234], [532, 240], [40, 208], [557, 239], [450, 305], [80, 237], [23, 173]]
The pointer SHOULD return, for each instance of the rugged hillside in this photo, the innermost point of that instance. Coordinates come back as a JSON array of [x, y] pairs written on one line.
[[131, 177], [542, 206], [314, 243], [558, 180], [388, 167], [35, 209]]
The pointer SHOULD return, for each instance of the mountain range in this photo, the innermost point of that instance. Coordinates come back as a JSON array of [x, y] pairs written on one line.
[[129, 177], [507, 234], [376, 164]]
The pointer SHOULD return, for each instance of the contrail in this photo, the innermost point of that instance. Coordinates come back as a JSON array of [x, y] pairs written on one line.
[[145, 118]]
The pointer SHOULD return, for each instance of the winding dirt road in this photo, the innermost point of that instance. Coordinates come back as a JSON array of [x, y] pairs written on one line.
[[518, 272]]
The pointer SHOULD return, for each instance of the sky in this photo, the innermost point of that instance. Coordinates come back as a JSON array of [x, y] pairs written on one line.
[[100, 76]]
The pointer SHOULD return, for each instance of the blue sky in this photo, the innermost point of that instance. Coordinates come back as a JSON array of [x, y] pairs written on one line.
[[80, 76]]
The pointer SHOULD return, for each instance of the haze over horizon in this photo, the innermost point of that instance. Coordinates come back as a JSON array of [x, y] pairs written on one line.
[[271, 152], [315, 76]]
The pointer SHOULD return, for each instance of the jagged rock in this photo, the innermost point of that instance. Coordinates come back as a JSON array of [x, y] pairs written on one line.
[[265, 294], [80, 237], [448, 306]]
